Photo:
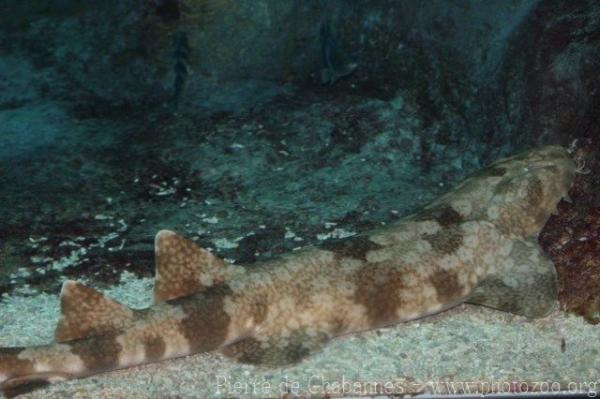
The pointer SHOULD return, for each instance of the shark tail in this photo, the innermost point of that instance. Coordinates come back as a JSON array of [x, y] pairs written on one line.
[[96, 334], [14, 372], [84, 343], [23, 369]]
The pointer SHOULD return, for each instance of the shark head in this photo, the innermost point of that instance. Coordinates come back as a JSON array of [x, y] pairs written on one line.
[[530, 186]]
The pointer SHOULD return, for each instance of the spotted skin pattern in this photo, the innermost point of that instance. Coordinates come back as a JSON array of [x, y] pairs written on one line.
[[476, 243]]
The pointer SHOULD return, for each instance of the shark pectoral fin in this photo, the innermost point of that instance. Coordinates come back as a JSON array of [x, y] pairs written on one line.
[[86, 312], [183, 268], [275, 351], [525, 283]]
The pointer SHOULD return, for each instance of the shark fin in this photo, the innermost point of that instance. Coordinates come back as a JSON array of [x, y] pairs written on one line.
[[525, 283], [86, 312], [23, 385], [275, 351], [183, 268]]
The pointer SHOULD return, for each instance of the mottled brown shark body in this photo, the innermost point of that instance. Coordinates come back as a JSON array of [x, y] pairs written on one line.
[[476, 243]]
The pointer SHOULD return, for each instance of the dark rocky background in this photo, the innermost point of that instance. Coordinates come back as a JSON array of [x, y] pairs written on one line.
[[209, 117]]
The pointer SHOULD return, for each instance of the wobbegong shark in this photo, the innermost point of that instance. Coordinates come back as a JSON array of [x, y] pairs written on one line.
[[476, 244]]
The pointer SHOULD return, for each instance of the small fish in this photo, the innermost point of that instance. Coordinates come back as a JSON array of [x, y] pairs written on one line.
[[335, 64], [476, 243]]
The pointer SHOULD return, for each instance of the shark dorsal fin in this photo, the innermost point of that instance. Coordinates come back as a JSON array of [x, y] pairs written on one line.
[[183, 268], [86, 312]]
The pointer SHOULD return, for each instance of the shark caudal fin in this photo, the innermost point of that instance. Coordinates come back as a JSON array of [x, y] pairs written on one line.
[[11, 364], [183, 268]]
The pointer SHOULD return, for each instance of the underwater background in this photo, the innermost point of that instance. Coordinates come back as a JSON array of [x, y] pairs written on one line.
[[257, 127]]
